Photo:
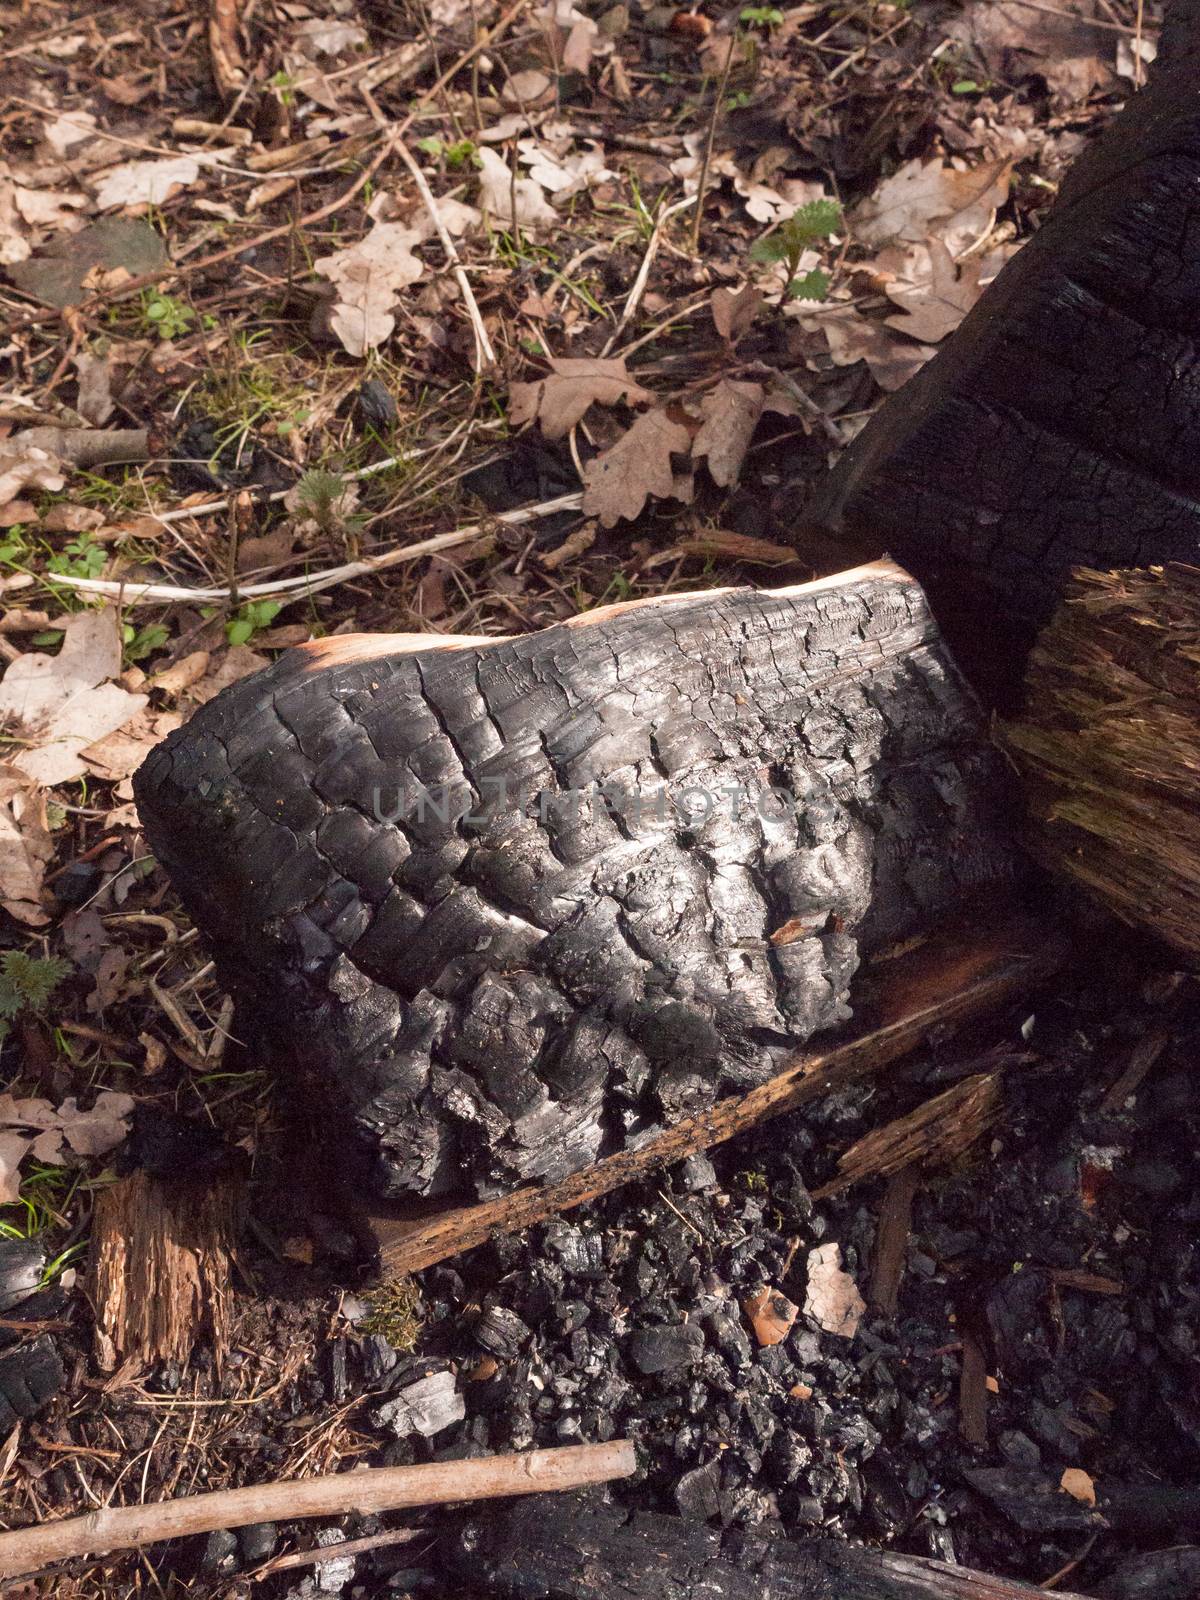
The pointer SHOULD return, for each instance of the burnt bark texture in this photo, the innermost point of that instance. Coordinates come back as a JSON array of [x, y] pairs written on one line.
[[493, 975], [577, 1548], [1060, 424]]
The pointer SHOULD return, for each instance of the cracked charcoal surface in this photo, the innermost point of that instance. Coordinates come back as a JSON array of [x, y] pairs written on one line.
[[511, 994], [860, 1438], [1060, 424]]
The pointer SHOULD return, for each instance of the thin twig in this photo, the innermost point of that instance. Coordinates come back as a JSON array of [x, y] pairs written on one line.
[[286, 590], [708, 143], [634, 299]]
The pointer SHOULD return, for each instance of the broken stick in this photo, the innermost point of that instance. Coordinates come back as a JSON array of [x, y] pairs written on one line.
[[950, 978], [375, 1489]]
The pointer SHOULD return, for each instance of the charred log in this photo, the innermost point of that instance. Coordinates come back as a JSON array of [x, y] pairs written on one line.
[[1060, 425], [580, 1549], [514, 905]]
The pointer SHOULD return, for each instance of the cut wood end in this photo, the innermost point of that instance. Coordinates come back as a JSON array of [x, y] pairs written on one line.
[[345, 648]]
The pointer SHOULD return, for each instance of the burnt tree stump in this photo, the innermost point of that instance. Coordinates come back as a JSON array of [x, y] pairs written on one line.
[[1059, 426], [494, 974]]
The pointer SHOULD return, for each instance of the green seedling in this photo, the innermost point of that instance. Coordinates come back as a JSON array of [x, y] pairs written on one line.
[[805, 228]]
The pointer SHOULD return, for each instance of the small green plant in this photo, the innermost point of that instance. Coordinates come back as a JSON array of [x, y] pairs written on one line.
[[81, 557], [285, 86], [253, 617], [395, 1313], [165, 315], [805, 228], [761, 16], [458, 156], [328, 500], [138, 643], [26, 984]]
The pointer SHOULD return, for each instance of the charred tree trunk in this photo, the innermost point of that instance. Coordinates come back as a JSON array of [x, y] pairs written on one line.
[[1060, 425], [493, 973], [580, 1549], [1108, 743]]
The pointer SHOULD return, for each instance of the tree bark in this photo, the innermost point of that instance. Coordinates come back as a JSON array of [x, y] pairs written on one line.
[[579, 1549], [423, 908]]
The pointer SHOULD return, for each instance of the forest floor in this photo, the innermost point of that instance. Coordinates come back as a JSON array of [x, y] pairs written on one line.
[[445, 316]]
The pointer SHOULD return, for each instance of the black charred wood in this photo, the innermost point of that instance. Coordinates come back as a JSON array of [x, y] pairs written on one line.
[[576, 1548], [30, 1377], [1060, 425], [492, 975]]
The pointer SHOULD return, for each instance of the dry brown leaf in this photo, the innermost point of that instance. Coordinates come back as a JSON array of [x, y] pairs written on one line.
[[892, 360], [181, 675], [575, 383], [617, 484], [25, 848], [95, 402], [238, 662], [526, 88], [934, 308], [832, 1298], [500, 196], [27, 467], [145, 183], [60, 704], [1016, 42], [731, 412], [46, 1132], [368, 276], [567, 173], [1079, 1485], [734, 313], [926, 198], [119, 754]]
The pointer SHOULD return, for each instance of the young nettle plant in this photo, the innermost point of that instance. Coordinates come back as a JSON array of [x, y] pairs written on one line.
[[804, 229]]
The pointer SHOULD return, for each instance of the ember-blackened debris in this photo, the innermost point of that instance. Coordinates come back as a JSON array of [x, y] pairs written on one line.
[[30, 1376], [1077, 1281]]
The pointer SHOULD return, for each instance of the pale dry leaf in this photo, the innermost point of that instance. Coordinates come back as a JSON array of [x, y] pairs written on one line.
[[934, 308], [767, 204], [1079, 1485], [566, 174], [580, 46], [927, 198], [831, 1297], [1056, 43], [892, 359], [14, 246], [502, 197], [50, 208], [526, 88], [94, 402], [27, 467], [13, 1149], [96, 1132], [617, 483], [368, 276], [60, 704], [182, 674], [327, 36], [64, 133], [26, 850], [145, 183], [734, 313], [1131, 52], [238, 662], [575, 383], [120, 753], [731, 412]]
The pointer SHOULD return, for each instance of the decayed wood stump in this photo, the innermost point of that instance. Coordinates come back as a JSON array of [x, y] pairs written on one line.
[[421, 905], [1108, 742], [1058, 426]]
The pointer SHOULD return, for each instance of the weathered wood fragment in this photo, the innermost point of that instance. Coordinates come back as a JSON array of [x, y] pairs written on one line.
[[949, 979], [513, 906], [578, 1549], [159, 1271], [891, 1240], [1108, 743]]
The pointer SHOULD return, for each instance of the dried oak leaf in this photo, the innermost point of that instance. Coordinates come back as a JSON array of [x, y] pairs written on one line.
[[368, 276], [145, 183], [574, 384], [734, 313], [617, 484], [892, 360], [731, 412], [832, 1298], [507, 200], [27, 467], [61, 704], [926, 198], [935, 307], [26, 848]]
